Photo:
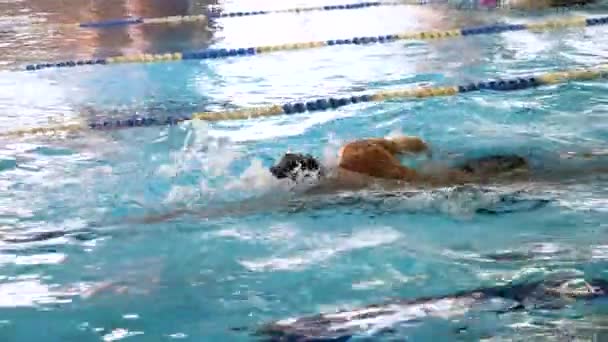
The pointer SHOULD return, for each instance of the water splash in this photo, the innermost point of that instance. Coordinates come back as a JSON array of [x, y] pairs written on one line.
[[255, 178]]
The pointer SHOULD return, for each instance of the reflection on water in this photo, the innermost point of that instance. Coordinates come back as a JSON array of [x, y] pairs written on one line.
[[39, 30], [181, 88], [26, 38], [29, 32]]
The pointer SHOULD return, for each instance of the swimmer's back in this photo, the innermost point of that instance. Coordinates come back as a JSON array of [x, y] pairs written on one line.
[[377, 158]]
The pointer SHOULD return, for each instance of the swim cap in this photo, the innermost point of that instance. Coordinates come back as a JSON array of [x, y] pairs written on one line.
[[296, 166]]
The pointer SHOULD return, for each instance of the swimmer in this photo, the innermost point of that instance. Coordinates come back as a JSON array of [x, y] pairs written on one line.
[[377, 319], [372, 165], [371, 162]]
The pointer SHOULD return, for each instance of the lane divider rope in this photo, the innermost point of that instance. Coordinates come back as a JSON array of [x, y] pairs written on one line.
[[518, 83], [216, 14], [240, 52]]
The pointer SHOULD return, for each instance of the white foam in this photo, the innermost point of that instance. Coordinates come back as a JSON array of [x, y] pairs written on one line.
[[393, 314], [368, 284], [547, 248], [178, 336], [585, 204], [287, 321], [402, 278], [330, 157], [199, 152], [265, 129], [38, 259], [255, 177], [219, 157], [28, 293], [277, 233], [167, 170], [181, 194], [333, 247], [600, 252], [456, 202], [120, 334]]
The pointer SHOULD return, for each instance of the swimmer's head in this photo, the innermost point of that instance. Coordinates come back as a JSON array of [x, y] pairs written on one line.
[[296, 166]]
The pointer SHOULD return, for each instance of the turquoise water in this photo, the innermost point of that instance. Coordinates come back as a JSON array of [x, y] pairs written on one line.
[[77, 264]]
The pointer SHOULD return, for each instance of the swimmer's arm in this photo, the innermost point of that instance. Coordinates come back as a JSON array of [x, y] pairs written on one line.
[[229, 209], [201, 213], [158, 218]]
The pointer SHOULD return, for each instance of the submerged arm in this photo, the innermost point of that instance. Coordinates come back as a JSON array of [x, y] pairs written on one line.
[[221, 210]]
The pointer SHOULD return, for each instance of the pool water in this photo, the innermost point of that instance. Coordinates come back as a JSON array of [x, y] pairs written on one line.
[[78, 263]]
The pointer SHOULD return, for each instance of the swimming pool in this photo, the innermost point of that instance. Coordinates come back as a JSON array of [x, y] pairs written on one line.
[[219, 278]]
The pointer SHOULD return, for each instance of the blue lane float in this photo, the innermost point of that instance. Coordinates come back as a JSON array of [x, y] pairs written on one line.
[[321, 104]]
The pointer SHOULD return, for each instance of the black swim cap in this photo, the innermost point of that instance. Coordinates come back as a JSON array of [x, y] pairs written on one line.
[[294, 164]]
